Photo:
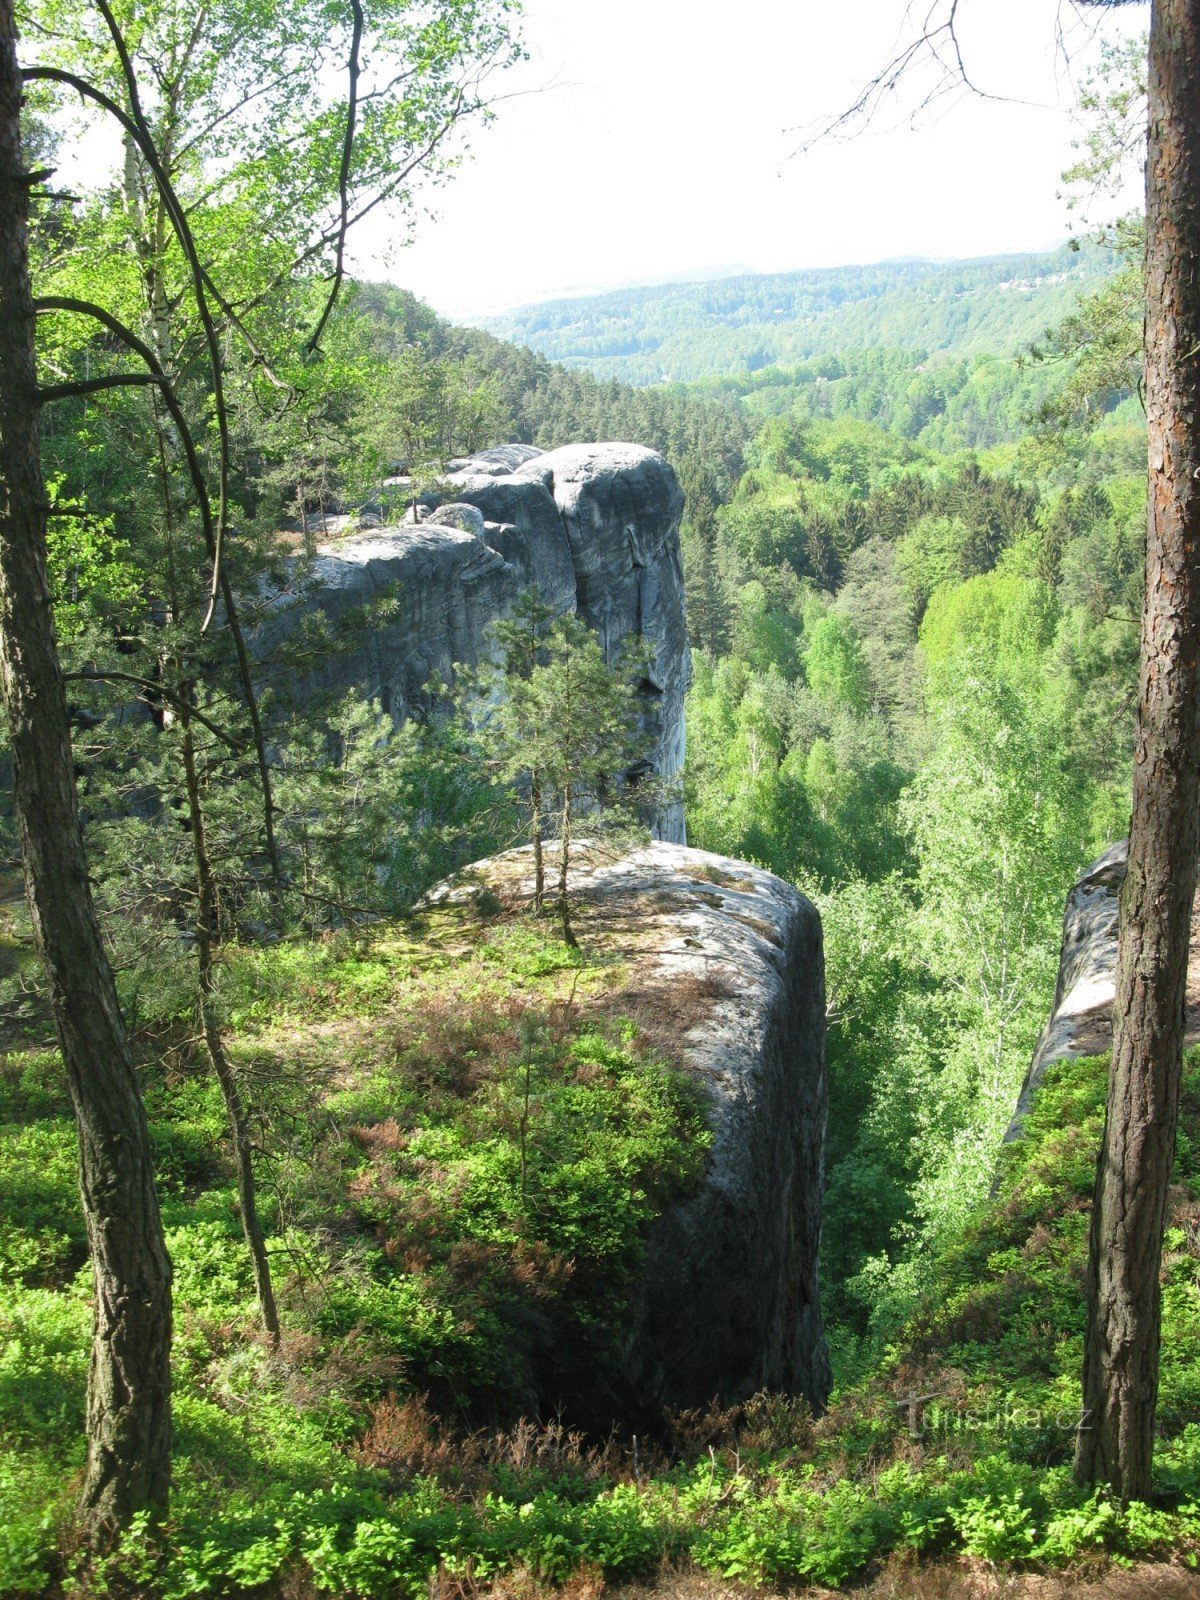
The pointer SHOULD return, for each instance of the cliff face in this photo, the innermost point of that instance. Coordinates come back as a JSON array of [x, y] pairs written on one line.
[[727, 962], [1080, 1022], [729, 1304], [595, 527]]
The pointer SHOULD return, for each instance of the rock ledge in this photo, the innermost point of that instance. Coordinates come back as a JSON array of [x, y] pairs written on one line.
[[595, 527]]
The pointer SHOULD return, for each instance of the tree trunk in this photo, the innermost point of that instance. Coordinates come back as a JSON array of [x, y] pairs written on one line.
[[1120, 1378], [537, 827], [208, 930], [239, 1125], [129, 1406], [564, 864]]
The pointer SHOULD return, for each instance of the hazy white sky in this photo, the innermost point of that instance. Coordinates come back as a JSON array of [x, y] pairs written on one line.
[[661, 145]]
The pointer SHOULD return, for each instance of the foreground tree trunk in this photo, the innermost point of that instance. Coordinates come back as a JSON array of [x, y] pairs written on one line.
[[537, 828], [1120, 1379], [128, 1417]]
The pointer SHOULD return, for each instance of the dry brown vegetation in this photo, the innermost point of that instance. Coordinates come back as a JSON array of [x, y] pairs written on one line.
[[953, 1580], [962, 1579]]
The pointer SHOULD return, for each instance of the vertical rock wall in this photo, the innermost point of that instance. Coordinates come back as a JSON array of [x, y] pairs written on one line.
[[1080, 1021], [730, 1303], [728, 959]]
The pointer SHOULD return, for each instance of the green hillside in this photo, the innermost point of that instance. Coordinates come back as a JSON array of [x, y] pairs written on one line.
[[686, 331]]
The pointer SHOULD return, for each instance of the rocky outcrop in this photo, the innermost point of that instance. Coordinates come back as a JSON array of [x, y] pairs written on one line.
[[595, 527], [730, 1303], [1080, 1021], [728, 960]]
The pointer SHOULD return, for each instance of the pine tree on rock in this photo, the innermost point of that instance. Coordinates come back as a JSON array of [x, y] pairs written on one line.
[[569, 731]]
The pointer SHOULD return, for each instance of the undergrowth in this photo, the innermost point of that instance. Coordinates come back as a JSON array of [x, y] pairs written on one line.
[[467, 1133]]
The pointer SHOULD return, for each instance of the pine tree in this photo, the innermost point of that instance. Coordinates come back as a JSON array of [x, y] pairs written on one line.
[[569, 732]]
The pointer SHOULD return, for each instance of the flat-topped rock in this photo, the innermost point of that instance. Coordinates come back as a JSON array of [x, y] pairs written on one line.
[[499, 461]]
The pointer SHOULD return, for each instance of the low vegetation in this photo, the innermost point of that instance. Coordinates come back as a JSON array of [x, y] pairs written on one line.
[[464, 1130], [469, 1131]]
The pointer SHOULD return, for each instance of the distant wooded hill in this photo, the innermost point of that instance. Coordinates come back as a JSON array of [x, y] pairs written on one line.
[[687, 331]]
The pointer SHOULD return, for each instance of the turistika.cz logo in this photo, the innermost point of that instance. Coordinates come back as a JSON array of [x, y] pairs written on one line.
[[934, 1416]]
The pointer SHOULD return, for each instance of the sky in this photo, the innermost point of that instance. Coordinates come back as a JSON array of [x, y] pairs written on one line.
[[651, 139]]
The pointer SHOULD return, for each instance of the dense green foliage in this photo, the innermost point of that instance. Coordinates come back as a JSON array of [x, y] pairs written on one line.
[[914, 701], [684, 332], [466, 1136], [531, 400], [566, 728], [912, 557], [917, 625]]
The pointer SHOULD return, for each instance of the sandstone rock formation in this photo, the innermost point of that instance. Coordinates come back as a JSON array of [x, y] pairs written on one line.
[[595, 527], [1080, 1021], [729, 961]]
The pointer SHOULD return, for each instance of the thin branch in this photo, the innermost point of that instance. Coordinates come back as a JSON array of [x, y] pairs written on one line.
[[346, 908], [259, 358], [184, 233], [87, 308], [324, 240], [232, 110], [386, 90], [339, 270], [51, 392], [937, 43], [154, 687], [139, 132]]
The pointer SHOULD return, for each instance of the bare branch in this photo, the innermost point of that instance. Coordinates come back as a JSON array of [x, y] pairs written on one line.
[[159, 689], [936, 44], [50, 392], [339, 270]]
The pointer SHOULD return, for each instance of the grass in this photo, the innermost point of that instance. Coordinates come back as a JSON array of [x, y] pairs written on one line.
[[466, 1128]]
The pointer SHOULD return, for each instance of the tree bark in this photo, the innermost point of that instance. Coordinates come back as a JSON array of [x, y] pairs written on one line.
[[1120, 1378], [564, 864], [128, 1410], [208, 931]]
